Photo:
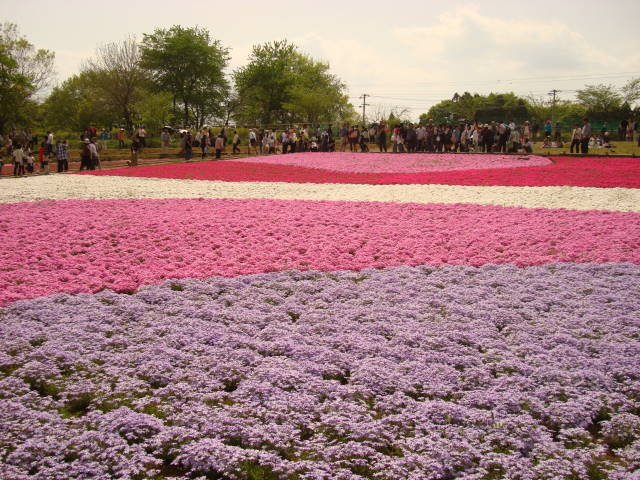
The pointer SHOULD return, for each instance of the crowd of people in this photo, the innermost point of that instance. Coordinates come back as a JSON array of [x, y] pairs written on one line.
[[30, 156]]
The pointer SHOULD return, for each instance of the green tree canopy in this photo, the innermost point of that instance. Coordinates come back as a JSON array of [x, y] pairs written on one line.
[[117, 78], [484, 108], [190, 65], [78, 102], [599, 98], [24, 71], [281, 85]]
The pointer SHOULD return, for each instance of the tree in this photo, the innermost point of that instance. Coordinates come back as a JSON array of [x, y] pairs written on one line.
[[189, 64], [76, 103], [116, 75], [24, 71], [155, 110], [263, 84], [281, 85], [599, 98], [316, 95], [631, 91], [565, 111], [484, 108]]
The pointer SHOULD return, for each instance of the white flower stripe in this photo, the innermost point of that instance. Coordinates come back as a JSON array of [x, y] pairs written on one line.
[[63, 187]]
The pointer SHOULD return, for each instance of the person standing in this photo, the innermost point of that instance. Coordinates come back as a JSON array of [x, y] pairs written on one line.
[[219, 146], [293, 140], [344, 138], [30, 159], [548, 128], [284, 139], [104, 136], [585, 136], [18, 161], [188, 147], [42, 154], [622, 130], [236, 142], [135, 150], [557, 136], [253, 141], [62, 156], [94, 157], [205, 143], [576, 136], [142, 135], [48, 141], [121, 136], [165, 139], [85, 155]]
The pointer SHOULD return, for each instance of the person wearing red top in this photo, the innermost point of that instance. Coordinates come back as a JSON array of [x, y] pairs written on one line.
[[43, 158]]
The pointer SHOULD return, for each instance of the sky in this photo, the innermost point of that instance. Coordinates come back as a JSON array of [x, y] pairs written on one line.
[[406, 55]]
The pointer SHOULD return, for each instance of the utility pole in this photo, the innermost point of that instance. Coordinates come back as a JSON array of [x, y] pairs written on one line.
[[364, 107], [553, 94]]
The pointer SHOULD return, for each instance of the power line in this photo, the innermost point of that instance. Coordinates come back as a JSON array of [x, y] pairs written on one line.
[[520, 79]]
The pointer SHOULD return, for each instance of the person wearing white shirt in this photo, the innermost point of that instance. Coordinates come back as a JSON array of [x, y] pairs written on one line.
[[576, 136], [292, 141], [18, 161]]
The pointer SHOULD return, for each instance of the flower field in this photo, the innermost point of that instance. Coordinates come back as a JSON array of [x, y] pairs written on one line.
[[564, 171], [308, 318]]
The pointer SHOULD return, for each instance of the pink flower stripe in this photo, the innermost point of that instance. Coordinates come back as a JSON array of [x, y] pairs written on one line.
[[85, 246], [570, 171], [399, 162]]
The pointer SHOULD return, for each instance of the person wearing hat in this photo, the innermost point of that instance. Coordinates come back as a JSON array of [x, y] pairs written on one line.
[[121, 136]]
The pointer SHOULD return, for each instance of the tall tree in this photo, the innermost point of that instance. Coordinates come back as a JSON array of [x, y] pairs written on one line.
[[116, 73], [190, 65], [631, 91], [599, 98], [263, 84], [316, 95], [281, 85], [24, 71], [485, 108], [76, 103]]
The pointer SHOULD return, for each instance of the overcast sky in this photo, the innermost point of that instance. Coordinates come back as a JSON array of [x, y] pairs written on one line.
[[410, 53]]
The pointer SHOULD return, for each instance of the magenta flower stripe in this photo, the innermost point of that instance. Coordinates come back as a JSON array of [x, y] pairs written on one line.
[[564, 171], [87, 246]]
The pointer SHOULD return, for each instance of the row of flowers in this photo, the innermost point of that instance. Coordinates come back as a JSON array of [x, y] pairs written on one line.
[[400, 163], [579, 172], [86, 246], [58, 187], [402, 373]]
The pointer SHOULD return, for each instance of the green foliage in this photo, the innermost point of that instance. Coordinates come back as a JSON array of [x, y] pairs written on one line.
[[484, 108], [23, 72], [77, 103], [281, 85], [599, 98], [566, 112], [117, 79], [154, 110], [631, 91], [188, 63]]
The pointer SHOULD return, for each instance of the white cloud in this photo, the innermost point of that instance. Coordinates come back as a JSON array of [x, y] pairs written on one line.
[[465, 40]]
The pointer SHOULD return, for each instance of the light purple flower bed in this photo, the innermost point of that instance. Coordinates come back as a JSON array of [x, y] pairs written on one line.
[[402, 373]]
